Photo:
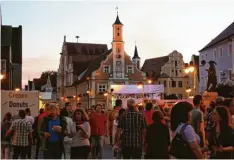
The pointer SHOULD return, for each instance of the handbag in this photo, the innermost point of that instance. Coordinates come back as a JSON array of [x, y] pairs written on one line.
[[179, 147]]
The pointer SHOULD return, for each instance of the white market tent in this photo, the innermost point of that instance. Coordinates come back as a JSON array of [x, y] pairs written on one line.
[[122, 90], [132, 89]]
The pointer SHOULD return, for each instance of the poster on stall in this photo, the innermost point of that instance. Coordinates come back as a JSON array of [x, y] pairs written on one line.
[[13, 101]]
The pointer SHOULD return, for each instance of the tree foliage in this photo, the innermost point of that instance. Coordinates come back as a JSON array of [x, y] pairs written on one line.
[[225, 90], [45, 74]]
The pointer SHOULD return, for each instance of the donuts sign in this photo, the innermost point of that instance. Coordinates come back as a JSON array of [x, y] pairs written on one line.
[[13, 101]]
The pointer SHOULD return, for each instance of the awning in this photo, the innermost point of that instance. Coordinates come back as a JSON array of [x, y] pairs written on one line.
[[132, 89], [45, 95]]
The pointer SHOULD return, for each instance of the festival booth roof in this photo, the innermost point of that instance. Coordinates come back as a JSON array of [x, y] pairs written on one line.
[[45, 95], [132, 89]]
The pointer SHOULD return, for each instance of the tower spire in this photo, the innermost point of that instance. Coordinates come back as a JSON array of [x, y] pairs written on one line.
[[135, 52], [117, 21], [117, 9]]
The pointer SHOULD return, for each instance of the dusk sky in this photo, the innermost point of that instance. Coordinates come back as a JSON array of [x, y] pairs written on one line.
[[158, 27]]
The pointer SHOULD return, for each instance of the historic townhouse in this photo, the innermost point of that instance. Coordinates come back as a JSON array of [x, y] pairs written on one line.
[[169, 71], [114, 66], [220, 50]]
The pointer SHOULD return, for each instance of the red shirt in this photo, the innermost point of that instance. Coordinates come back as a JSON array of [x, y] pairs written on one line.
[[45, 114], [148, 117], [98, 124]]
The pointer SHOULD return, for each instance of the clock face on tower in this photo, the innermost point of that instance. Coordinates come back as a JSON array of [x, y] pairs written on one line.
[[118, 56]]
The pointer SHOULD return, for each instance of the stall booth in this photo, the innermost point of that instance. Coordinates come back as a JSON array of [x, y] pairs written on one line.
[[124, 92]]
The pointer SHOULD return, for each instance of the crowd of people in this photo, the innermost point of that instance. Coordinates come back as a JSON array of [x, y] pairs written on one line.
[[134, 131]]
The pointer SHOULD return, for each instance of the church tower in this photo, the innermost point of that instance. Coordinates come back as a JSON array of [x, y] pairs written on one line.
[[118, 49], [136, 59]]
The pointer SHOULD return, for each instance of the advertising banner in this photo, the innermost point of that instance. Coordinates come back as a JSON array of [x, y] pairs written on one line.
[[13, 101]]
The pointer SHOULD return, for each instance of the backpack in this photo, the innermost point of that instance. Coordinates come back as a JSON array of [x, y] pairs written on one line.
[[179, 147]]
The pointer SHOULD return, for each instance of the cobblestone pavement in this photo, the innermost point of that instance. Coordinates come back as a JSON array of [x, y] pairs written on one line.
[[107, 153]]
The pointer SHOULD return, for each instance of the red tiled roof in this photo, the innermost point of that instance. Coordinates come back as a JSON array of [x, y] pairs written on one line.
[[152, 67], [92, 66], [85, 48]]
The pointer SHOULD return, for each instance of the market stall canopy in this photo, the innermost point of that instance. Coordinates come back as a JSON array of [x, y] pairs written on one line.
[[45, 95], [132, 89]]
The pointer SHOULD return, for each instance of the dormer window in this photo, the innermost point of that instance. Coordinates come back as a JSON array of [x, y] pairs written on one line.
[[130, 69], [106, 69]]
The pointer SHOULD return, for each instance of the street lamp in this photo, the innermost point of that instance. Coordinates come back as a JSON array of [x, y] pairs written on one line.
[[139, 86], [105, 94], [2, 76], [188, 90], [17, 89], [190, 68], [149, 81]]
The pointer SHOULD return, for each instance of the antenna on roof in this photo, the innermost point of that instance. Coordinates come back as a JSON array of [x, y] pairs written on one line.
[[77, 37]]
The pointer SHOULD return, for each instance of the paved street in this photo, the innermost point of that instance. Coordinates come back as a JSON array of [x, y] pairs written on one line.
[[107, 154]]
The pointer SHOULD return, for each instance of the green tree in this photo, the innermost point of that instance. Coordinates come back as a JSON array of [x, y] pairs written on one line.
[[45, 74]]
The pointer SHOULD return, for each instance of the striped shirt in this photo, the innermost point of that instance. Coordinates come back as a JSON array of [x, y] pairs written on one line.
[[21, 129], [132, 123]]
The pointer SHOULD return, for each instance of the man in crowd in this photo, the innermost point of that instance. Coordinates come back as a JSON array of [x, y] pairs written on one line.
[[99, 129], [132, 125], [198, 119], [28, 117], [68, 107], [219, 101], [22, 136], [79, 106], [53, 129]]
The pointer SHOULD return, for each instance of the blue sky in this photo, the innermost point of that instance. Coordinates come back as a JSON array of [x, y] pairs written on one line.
[[158, 27]]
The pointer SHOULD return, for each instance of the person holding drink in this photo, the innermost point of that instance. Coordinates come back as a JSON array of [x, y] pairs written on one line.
[[80, 133], [53, 130]]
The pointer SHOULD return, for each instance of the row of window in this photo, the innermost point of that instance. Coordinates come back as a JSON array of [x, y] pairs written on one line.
[[172, 84], [107, 69], [220, 52]]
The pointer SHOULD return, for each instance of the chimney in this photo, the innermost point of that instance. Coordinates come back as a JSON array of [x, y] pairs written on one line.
[[64, 38], [77, 37]]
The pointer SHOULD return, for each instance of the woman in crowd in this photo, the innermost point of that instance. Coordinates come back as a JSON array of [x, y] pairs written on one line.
[[221, 138], [148, 113], [5, 142], [180, 118], [157, 147], [80, 146]]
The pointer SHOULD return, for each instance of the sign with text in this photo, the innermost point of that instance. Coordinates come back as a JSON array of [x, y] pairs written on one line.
[[13, 101]]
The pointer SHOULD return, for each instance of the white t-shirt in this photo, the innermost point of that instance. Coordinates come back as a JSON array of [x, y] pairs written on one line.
[[29, 119], [189, 133], [78, 140]]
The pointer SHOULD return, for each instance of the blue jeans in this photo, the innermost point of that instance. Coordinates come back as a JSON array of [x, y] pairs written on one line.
[[97, 143]]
